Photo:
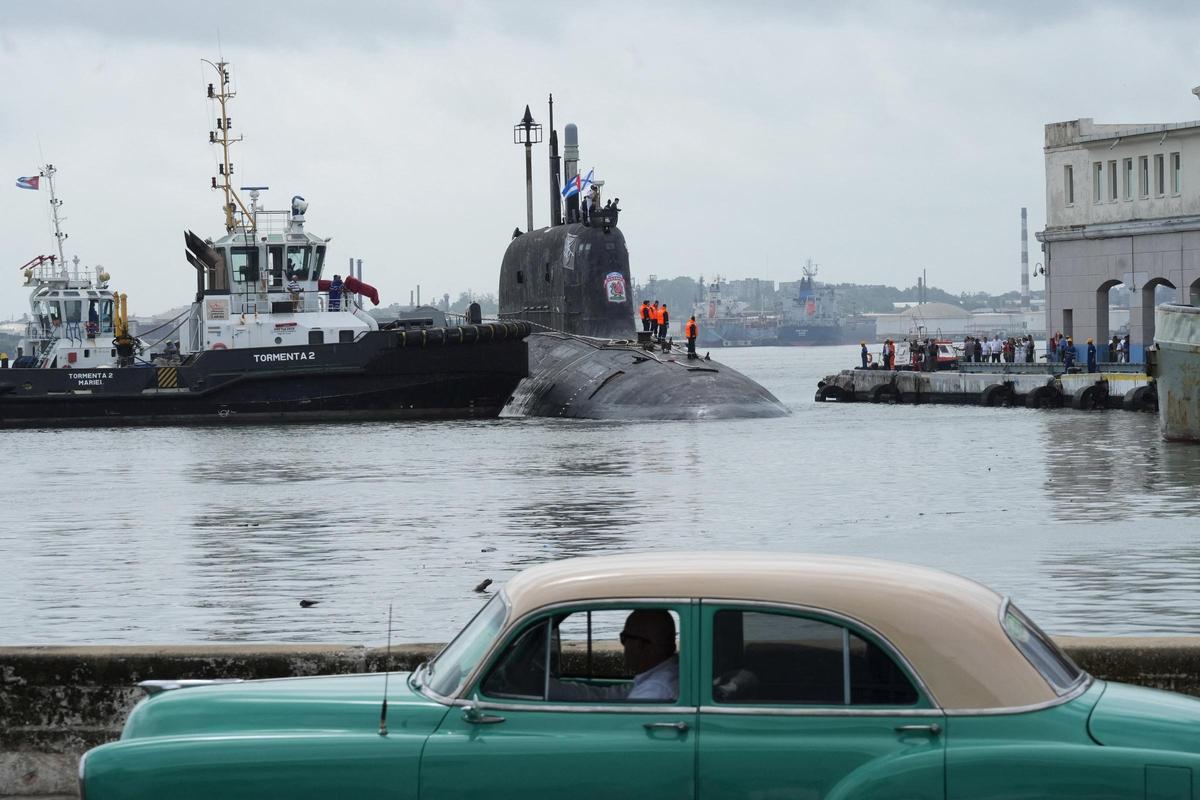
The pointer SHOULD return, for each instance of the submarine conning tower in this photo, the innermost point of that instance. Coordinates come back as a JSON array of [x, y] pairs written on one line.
[[572, 278], [574, 275]]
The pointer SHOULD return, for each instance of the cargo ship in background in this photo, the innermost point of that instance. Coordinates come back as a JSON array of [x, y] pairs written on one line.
[[725, 322], [815, 318], [811, 316]]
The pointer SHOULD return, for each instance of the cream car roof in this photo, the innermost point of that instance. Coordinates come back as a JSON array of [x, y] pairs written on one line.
[[947, 626]]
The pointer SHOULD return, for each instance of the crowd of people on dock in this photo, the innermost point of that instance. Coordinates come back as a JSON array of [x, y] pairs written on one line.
[[927, 355]]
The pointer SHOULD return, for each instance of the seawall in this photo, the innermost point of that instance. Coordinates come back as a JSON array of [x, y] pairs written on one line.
[[56, 702]]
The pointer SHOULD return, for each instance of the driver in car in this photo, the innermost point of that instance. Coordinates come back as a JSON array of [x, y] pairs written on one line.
[[649, 641]]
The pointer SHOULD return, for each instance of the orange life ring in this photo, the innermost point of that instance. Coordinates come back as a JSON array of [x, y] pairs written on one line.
[[219, 346]]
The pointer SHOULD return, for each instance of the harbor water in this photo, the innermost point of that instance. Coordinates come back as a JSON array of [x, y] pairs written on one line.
[[214, 534]]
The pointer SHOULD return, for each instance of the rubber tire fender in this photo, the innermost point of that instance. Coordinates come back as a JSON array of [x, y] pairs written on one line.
[[1141, 398], [1044, 397], [998, 394], [887, 393]]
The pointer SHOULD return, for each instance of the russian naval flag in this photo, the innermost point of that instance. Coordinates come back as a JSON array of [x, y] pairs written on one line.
[[578, 185], [28, 183]]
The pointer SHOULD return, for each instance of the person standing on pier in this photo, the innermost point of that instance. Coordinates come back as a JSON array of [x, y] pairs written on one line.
[[891, 354], [1091, 355], [1028, 349], [997, 348], [1125, 349], [690, 331], [978, 345], [1068, 354], [864, 355]]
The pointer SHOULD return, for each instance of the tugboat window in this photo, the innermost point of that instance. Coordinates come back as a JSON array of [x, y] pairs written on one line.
[[245, 264], [298, 262], [106, 314], [316, 272], [316, 337], [346, 336], [275, 254]]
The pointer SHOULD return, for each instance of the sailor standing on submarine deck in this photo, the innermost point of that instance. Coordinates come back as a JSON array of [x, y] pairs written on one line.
[[664, 321], [690, 330], [646, 315]]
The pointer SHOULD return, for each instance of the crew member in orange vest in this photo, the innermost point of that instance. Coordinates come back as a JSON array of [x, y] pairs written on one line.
[[690, 330], [645, 315], [664, 321]]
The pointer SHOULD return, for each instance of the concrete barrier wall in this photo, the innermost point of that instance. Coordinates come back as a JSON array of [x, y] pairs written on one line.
[[56, 702]]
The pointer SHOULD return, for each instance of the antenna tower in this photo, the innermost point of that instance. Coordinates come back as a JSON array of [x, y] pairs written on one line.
[[48, 173], [222, 94]]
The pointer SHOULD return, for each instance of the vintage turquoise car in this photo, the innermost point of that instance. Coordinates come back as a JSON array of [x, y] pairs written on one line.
[[737, 675]]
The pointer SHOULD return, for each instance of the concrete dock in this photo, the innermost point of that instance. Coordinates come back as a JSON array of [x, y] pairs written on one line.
[[1029, 385]]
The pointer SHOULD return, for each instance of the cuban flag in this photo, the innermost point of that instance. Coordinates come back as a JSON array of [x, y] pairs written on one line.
[[578, 185], [29, 183]]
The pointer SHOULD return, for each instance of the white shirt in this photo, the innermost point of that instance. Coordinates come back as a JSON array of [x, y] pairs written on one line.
[[660, 682]]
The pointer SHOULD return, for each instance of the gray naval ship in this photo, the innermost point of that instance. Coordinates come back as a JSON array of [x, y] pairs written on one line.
[[571, 281]]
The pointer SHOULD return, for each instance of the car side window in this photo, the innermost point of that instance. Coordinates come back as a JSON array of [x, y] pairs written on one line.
[[775, 658], [600, 655]]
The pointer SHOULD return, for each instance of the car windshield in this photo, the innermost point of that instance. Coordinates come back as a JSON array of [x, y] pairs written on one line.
[[452, 666], [1054, 665]]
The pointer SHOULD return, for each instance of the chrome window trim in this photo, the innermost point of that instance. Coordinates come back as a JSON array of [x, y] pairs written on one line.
[[618, 602], [620, 707], [822, 711], [1083, 678], [1078, 690], [425, 689], [890, 648]]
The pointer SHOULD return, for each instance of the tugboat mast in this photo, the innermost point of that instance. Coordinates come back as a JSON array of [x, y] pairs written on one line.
[[222, 94], [48, 172]]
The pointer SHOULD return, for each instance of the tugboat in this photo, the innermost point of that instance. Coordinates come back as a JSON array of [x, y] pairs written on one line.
[[268, 338]]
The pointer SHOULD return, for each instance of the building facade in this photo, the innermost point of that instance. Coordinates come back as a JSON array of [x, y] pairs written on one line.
[[1122, 210]]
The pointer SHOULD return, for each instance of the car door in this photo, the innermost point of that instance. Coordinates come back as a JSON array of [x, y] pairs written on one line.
[[801, 704], [547, 716]]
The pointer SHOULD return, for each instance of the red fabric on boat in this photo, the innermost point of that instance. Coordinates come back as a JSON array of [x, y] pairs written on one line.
[[365, 289], [353, 285]]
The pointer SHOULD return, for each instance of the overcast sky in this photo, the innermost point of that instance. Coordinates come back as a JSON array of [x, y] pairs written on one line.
[[879, 139]]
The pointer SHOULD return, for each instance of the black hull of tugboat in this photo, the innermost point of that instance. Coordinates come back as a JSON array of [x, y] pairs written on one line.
[[434, 373]]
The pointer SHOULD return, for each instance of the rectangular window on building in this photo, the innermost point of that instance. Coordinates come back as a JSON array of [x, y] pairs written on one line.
[[1112, 180], [1128, 170], [1143, 177], [1097, 181], [1069, 184], [1175, 176], [1159, 171]]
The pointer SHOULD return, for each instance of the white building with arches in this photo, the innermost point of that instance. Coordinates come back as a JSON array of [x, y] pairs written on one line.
[[1122, 210]]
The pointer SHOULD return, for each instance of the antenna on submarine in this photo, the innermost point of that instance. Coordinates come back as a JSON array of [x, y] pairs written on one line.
[[387, 669]]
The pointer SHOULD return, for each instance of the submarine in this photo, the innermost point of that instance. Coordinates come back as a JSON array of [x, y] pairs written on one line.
[[570, 281]]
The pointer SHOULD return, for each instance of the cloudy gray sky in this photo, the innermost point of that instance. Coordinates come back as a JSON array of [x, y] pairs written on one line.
[[879, 139]]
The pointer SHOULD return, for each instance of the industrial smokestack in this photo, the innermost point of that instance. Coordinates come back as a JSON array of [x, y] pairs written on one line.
[[571, 167], [1024, 262]]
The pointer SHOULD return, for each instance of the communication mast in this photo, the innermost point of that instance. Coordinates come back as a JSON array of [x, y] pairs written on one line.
[[222, 94]]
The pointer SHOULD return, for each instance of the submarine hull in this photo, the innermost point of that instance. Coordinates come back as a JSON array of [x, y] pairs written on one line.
[[574, 376]]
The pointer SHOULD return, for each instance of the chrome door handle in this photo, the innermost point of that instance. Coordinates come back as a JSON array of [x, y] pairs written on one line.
[[476, 717], [933, 729], [679, 726]]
